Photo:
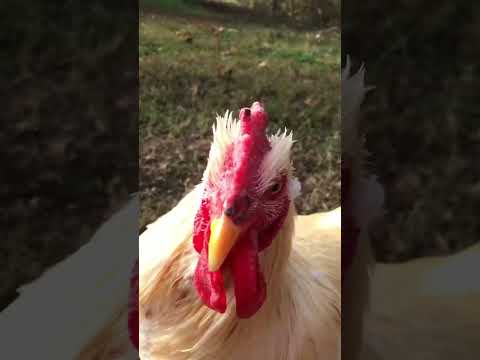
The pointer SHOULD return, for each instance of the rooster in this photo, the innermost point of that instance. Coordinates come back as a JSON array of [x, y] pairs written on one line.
[[232, 272]]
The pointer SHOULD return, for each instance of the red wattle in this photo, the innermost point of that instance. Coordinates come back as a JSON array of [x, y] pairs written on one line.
[[209, 285], [249, 283]]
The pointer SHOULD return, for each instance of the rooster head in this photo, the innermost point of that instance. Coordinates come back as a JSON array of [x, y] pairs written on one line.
[[247, 190]]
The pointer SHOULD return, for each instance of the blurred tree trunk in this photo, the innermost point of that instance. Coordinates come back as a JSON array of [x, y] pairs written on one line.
[[291, 7], [274, 7]]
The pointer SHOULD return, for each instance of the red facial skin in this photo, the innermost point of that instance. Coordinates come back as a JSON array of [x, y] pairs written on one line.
[[237, 196]]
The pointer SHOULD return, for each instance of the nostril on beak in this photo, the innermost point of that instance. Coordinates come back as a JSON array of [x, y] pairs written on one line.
[[238, 209], [229, 211]]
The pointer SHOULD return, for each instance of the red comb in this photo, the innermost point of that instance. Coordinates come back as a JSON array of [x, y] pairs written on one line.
[[251, 146], [254, 120]]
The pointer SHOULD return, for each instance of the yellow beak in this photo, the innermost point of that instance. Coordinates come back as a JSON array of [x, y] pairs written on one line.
[[223, 235]]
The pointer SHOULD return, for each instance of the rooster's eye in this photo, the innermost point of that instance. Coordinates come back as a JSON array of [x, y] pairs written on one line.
[[275, 188]]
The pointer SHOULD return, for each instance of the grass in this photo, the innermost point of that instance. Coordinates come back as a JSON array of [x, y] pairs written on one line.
[[188, 74]]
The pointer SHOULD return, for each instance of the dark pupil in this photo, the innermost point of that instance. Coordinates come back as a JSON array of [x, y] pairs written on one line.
[[275, 187]]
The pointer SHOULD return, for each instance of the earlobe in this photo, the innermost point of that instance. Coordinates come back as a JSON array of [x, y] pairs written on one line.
[[294, 188]]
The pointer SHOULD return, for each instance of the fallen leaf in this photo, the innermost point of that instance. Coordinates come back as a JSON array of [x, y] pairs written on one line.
[[310, 101], [263, 64]]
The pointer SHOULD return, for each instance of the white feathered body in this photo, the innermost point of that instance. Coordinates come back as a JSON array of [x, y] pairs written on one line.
[[427, 308], [301, 316]]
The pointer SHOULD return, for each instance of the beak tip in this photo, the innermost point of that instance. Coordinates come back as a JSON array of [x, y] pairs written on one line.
[[213, 266]]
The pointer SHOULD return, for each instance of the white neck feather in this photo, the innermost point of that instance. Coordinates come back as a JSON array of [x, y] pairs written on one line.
[[176, 325]]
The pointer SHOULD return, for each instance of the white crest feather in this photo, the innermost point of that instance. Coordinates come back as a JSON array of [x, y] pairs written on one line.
[[367, 192], [294, 188], [224, 133], [277, 160], [353, 94]]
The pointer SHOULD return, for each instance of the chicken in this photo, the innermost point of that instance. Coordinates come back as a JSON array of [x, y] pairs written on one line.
[[232, 272]]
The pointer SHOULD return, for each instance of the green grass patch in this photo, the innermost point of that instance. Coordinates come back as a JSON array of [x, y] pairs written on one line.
[[189, 73]]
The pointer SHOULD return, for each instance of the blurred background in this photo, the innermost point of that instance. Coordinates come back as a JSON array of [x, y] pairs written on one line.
[[201, 58], [422, 120], [69, 129]]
